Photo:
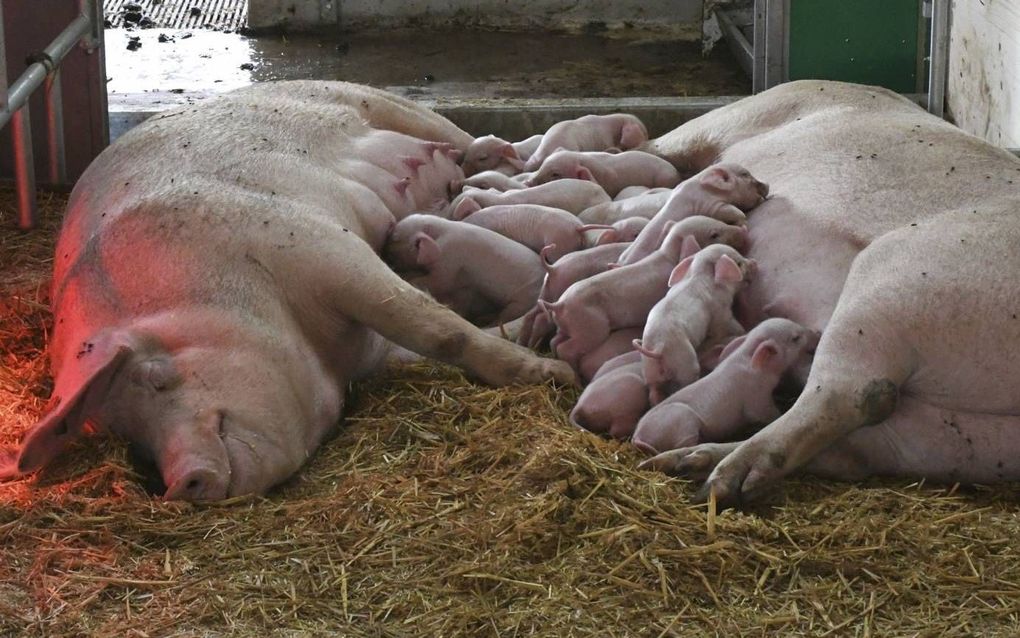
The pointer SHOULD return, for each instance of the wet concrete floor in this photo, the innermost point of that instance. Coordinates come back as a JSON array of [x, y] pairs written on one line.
[[169, 67]]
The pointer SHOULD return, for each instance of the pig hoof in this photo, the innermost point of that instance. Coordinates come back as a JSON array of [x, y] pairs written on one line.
[[743, 476], [694, 463], [552, 369]]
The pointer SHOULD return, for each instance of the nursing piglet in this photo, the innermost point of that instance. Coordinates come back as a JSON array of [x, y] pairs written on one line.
[[536, 227], [721, 191], [646, 205], [698, 306], [481, 275], [590, 133], [736, 395], [612, 171], [622, 297], [559, 276], [614, 400], [491, 153], [488, 179], [623, 231], [618, 342], [571, 195]]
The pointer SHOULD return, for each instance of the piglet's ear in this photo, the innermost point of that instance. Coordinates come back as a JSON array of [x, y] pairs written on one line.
[[84, 385], [731, 347], [426, 249], [633, 134], [717, 178], [689, 246], [607, 237], [508, 151], [509, 154], [764, 355], [680, 271], [585, 174], [727, 270], [464, 208]]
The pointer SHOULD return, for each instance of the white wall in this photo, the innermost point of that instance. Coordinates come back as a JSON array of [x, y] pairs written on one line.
[[983, 92], [361, 14]]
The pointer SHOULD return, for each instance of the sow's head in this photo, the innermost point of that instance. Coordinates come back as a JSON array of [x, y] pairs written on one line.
[[211, 411]]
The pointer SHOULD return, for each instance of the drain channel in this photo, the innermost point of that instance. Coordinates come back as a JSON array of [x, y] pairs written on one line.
[[218, 15]]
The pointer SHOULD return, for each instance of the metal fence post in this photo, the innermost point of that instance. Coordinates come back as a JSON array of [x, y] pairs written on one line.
[[85, 30], [55, 129], [938, 62], [24, 168]]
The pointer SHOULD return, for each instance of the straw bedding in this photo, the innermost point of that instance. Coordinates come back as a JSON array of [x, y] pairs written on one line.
[[450, 509]]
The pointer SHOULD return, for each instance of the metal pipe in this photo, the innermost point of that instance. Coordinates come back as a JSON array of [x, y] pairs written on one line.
[[3, 62], [938, 61], [738, 43], [758, 80], [94, 45], [775, 42], [24, 168], [33, 77], [55, 129], [91, 9]]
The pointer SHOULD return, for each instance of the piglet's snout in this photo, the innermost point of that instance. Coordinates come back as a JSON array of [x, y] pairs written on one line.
[[813, 337]]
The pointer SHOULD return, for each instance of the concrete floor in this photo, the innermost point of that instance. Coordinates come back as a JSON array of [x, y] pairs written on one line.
[[456, 65], [511, 84]]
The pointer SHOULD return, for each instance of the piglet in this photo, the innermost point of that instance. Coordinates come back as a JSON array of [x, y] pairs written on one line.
[[590, 133], [618, 342], [614, 400], [591, 309], [488, 179], [490, 153], [721, 191], [636, 191], [646, 205], [612, 171], [697, 307], [623, 231], [571, 195], [737, 394], [480, 274], [559, 276], [535, 226]]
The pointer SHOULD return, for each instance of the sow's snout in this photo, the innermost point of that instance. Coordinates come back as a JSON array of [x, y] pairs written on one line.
[[194, 460]]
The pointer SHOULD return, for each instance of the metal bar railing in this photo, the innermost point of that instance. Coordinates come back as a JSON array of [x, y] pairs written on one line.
[[938, 62], [55, 128], [44, 70]]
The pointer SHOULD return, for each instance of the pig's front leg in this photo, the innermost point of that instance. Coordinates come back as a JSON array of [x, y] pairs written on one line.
[[860, 365], [695, 462], [369, 292], [384, 110]]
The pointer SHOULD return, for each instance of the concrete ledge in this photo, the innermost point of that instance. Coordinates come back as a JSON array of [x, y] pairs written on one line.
[[517, 119]]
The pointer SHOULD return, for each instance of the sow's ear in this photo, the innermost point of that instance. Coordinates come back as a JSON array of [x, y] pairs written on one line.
[[85, 383]]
